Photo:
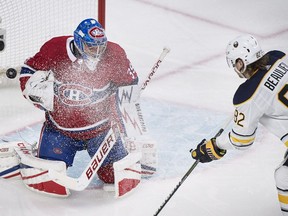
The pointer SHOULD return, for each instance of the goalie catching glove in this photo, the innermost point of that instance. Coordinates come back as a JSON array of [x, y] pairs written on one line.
[[39, 89], [207, 151]]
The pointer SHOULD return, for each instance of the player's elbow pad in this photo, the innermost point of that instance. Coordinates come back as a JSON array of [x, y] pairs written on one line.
[[241, 142]]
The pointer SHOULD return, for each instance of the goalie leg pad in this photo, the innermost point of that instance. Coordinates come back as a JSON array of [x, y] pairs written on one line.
[[148, 149], [34, 173], [9, 161], [38, 180], [127, 174]]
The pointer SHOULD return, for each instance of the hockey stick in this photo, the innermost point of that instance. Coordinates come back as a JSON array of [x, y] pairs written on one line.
[[183, 179], [91, 169], [138, 90], [165, 51]]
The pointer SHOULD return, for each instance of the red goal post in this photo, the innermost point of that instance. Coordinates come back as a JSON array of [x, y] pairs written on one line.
[[102, 12], [26, 25]]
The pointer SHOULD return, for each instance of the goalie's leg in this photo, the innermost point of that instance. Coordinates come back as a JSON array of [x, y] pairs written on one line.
[[16, 159], [118, 151], [34, 173], [53, 145], [120, 171], [9, 161], [149, 158]]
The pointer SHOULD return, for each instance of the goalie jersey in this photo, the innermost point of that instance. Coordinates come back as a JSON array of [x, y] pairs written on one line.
[[261, 99], [83, 99]]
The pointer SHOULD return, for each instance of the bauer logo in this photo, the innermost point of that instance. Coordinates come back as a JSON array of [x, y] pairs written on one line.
[[100, 155], [96, 32]]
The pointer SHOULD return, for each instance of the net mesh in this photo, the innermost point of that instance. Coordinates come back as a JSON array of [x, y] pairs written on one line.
[[29, 23]]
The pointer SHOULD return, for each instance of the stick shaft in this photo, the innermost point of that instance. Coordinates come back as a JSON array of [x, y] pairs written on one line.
[[177, 186], [183, 179], [155, 67]]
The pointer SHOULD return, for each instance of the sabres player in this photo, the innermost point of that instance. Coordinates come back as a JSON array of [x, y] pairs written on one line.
[[74, 79], [262, 98]]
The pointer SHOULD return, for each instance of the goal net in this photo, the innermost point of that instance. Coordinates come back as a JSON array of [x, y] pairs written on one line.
[[30, 23]]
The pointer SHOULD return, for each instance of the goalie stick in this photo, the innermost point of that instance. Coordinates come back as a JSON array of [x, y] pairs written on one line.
[[91, 169], [165, 51]]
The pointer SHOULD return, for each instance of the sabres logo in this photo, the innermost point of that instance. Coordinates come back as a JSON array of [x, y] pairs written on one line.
[[96, 32], [75, 95]]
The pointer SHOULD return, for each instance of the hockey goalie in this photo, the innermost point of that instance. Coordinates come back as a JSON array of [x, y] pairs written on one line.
[[88, 90]]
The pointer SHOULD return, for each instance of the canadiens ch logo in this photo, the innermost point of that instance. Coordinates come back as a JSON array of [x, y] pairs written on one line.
[[74, 95], [96, 32]]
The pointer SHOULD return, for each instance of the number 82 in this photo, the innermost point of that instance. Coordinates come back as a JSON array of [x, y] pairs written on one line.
[[239, 117]]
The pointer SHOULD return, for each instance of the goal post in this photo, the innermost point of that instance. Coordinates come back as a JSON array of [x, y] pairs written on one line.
[[30, 23], [102, 12]]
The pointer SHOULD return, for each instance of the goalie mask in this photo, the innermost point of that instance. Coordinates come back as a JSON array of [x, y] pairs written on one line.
[[91, 41], [241, 52]]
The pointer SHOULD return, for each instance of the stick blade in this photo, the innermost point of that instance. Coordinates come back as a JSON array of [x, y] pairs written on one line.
[[166, 49]]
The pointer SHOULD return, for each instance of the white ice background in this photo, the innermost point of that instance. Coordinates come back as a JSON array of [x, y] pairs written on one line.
[[188, 100]]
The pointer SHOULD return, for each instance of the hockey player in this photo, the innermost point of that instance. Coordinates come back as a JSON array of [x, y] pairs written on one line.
[[262, 98], [74, 79]]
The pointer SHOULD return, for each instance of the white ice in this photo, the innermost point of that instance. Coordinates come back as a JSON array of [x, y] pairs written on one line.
[[188, 100]]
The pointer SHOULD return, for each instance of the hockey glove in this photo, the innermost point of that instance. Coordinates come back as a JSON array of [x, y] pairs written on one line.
[[207, 151], [39, 89]]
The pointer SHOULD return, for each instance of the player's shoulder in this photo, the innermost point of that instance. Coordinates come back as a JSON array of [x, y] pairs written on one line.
[[114, 49], [275, 55], [247, 89], [58, 39], [57, 42], [56, 46], [113, 45]]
